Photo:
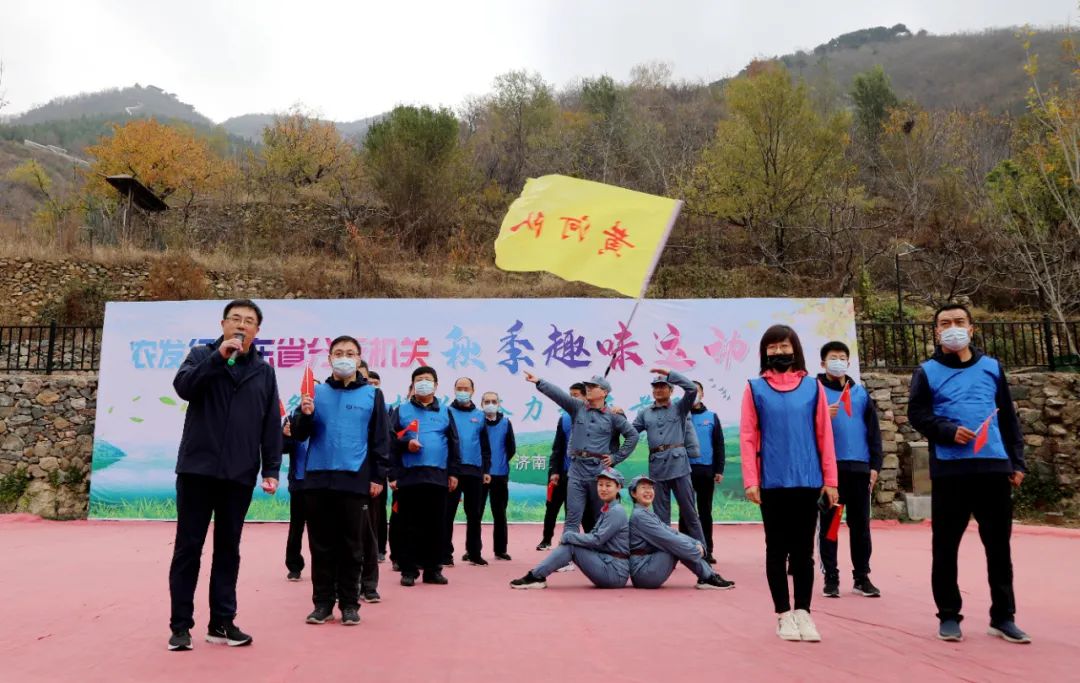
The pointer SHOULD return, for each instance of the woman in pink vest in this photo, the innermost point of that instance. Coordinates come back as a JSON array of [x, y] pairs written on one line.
[[788, 464]]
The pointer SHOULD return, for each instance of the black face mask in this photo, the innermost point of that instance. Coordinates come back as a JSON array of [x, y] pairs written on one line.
[[781, 362]]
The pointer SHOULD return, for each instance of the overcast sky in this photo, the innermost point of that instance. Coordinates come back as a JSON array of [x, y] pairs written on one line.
[[347, 60]]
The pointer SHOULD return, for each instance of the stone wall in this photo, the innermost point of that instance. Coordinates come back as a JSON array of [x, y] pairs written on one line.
[[47, 425], [46, 440]]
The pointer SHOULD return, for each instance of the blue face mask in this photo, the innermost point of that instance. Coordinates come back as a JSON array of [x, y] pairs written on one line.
[[955, 339], [424, 387], [836, 367], [344, 367], [491, 408], [462, 396]]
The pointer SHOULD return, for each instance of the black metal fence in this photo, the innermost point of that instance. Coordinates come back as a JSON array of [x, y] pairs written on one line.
[[882, 346], [1041, 344], [49, 348]]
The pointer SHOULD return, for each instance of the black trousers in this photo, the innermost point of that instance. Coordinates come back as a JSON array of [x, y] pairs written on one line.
[[378, 520], [369, 568], [336, 525], [470, 491], [855, 497], [294, 559], [423, 513], [953, 501], [499, 492], [197, 498], [790, 519], [558, 500], [704, 488]]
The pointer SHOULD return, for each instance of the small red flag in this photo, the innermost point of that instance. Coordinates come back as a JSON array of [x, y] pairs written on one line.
[[551, 490], [845, 399], [393, 507], [834, 526], [413, 426], [307, 384], [982, 434], [281, 407]]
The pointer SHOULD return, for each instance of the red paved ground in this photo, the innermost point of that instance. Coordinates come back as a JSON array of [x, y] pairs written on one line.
[[88, 601]]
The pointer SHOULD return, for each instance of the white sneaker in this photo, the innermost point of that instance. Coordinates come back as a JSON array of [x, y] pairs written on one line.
[[807, 630], [786, 627], [567, 568]]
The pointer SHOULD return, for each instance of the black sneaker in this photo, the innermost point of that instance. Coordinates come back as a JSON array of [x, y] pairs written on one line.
[[350, 616], [408, 581], [371, 596], [448, 561], [503, 556], [715, 583], [710, 559], [293, 576], [866, 589], [394, 566], [478, 562], [321, 615], [528, 581], [950, 630], [382, 558], [1009, 631], [180, 640], [435, 578], [544, 545], [832, 588], [227, 634]]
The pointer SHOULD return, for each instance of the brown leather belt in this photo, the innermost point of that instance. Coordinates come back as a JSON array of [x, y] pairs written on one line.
[[587, 454], [664, 447]]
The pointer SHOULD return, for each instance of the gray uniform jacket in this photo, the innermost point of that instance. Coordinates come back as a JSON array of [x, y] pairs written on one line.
[[655, 547], [668, 428], [590, 435]]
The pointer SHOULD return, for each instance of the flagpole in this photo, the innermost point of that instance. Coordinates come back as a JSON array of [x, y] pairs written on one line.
[[652, 269]]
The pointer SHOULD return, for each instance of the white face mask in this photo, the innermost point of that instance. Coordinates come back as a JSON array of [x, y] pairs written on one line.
[[955, 339], [836, 367], [491, 408], [344, 367], [424, 387]]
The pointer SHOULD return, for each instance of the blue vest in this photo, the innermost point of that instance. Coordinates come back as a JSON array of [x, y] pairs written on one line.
[[789, 453], [434, 446], [704, 424], [339, 433], [967, 396], [469, 423], [496, 434], [298, 460], [567, 424], [849, 433]]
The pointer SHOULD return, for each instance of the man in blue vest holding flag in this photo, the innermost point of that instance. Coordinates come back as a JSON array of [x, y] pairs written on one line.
[[960, 401], [469, 422], [857, 436], [345, 426]]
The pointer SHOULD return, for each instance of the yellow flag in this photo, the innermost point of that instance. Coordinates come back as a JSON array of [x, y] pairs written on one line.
[[580, 230]]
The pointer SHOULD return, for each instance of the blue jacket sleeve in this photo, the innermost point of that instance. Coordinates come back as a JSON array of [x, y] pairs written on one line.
[[663, 537], [606, 528], [630, 437], [561, 398]]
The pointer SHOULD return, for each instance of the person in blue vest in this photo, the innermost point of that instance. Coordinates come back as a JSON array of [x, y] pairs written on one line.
[[788, 464], [593, 436], [498, 441], [424, 469], [297, 450], [469, 422], [857, 438], [345, 426], [655, 548], [603, 554], [706, 466], [960, 401], [667, 427], [558, 474]]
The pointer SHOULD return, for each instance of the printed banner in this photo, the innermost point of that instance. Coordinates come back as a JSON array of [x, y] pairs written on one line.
[[492, 341]]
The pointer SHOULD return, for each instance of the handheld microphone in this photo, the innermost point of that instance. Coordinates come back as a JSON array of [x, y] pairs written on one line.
[[235, 352]]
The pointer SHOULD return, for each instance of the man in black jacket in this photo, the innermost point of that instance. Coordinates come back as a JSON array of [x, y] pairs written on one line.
[[232, 424], [960, 401]]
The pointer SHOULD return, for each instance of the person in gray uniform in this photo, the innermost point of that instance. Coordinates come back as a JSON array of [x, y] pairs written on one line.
[[603, 555], [591, 438], [655, 547], [669, 431]]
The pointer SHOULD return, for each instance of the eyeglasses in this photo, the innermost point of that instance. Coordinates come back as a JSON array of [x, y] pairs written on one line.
[[345, 354], [237, 320]]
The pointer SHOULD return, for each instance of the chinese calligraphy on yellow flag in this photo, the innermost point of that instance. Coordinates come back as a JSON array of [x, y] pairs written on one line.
[[580, 230]]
